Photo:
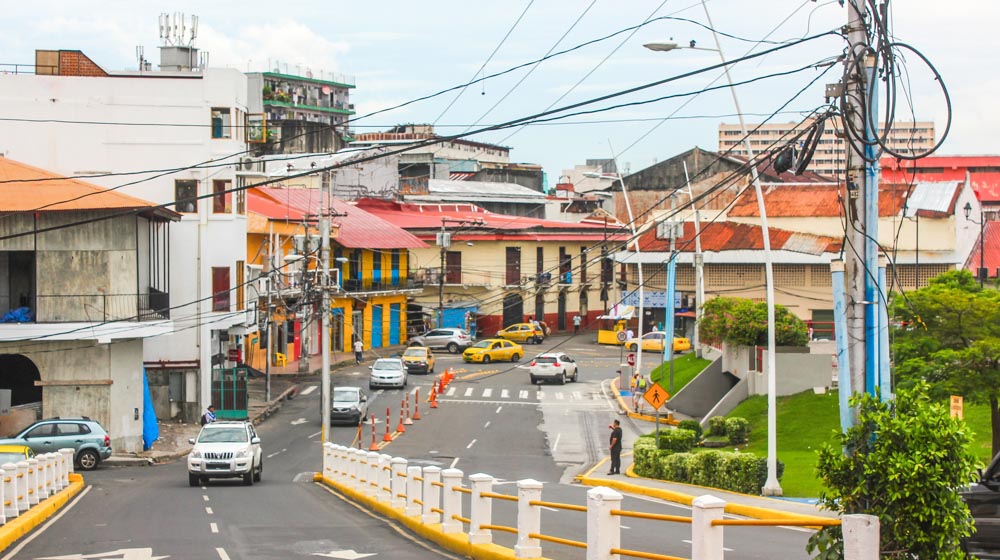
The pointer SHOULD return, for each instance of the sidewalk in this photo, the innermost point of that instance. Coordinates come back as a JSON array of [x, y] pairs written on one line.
[[746, 505]]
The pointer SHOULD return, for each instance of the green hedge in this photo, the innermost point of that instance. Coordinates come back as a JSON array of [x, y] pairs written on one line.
[[692, 425], [677, 441], [738, 430], [739, 472], [717, 426]]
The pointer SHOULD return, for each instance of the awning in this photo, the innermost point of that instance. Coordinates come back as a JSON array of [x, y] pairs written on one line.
[[686, 314], [619, 313]]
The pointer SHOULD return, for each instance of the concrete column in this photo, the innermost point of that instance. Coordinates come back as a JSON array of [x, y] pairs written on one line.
[[374, 464], [861, 537], [706, 540], [22, 486], [431, 495], [603, 529], [384, 478], [413, 486], [31, 476], [529, 519], [481, 509], [451, 500], [70, 454], [9, 478], [327, 460], [398, 485]]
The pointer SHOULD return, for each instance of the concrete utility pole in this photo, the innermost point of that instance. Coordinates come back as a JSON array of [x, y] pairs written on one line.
[[324, 339], [699, 266]]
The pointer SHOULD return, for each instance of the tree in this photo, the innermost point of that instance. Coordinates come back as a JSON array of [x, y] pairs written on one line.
[[949, 337], [744, 322], [901, 462]]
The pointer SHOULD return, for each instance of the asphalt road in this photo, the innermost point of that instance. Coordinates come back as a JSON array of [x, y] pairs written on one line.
[[491, 420]]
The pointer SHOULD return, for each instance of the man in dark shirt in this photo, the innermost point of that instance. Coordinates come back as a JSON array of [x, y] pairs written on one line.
[[616, 448]]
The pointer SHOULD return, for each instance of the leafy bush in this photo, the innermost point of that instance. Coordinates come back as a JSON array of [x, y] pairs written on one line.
[[737, 430], [693, 425], [735, 471], [744, 322], [644, 457], [717, 426], [678, 441]]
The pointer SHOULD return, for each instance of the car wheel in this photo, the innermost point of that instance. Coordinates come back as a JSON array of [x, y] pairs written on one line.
[[193, 479], [515, 358], [562, 378], [260, 471], [575, 375], [453, 348], [538, 340], [371, 387], [486, 358], [631, 347], [87, 460], [248, 478], [431, 370]]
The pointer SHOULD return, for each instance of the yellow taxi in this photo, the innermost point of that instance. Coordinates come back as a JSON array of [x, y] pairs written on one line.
[[655, 341], [523, 333], [418, 359], [15, 453], [493, 349]]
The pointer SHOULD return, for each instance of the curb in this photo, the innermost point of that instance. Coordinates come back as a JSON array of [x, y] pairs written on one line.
[[25, 523], [621, 403]]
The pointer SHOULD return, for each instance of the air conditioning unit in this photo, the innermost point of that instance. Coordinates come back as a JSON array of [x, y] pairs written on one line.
[[444, 239], [668, 229]]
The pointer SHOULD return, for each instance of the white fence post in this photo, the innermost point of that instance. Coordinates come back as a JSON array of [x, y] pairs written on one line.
[[451, 501], [706, 539], [22, 486], [861, 537], [398, 485], [374, 464], [328, 460], [52, 470], [413, 486], [384, 478], [59, 474], [69, 455], [431, 495], [529, 519], [42, 477], [603, 529], [4, 499], [32, 478], [480, 509], [355, 468], [10, 490], [362, 471]]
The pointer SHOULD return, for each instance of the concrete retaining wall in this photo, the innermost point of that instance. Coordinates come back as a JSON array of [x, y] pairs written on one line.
[[704, 391]]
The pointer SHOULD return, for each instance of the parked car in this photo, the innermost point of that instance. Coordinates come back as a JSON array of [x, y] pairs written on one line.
[[553, 366], [418, 359], [89, 440], [15, 453], [654, 342], [226, 449], [449, 339], [523, 333], [983, 499], [387, 372], [493, 349], [348, 404]]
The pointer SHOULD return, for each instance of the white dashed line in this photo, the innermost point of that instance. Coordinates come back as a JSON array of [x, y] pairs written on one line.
[[559, 396], [298, 421], [213, 527], [471, 443], [486, 426], [208, 510], [487, 393], [454, 462], [522, 394], [273, 454], [499, 408], [222, 554], [577, 396], [204, 497], [314, 435], [450, 392], [308, 390], [540, 395], [555, 444]]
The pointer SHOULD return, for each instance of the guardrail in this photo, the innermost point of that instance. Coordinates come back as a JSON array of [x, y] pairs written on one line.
[[27, 483], [430, 500]]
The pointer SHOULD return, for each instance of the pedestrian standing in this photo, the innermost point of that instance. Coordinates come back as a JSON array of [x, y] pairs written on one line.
[[616, 447], [359, 348], [209, 416], [576, 324], [640, 390]]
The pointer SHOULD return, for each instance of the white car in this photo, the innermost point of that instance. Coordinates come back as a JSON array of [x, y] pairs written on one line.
[[553, 366], [226, 449], [387, 372]]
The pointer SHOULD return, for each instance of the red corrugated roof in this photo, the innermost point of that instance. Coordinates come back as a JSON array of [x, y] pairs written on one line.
[[731, 236], [32, 187], [991, 242], [814, 201], [983, 172], [358, 229]]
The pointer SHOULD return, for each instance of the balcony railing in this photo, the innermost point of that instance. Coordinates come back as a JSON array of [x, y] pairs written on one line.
[[152, 306], [369, 285]]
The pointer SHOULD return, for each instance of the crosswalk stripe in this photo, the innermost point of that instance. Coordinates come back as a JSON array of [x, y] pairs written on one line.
[[450, 392], [487, 393], [504, 394], [577, 395], [468, 392], [559, 396], [540, 395], [522, 394]]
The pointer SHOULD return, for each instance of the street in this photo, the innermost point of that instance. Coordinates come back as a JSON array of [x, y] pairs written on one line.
[[490, 420]]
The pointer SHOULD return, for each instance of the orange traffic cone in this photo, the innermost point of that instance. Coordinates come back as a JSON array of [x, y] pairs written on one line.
[[434, 398], [374, 445], [401, 428], [416, 404], [388, 421], [408, 421]]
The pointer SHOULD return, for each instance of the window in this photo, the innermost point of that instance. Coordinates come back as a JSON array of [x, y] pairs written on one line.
[[539, 259], [241, 303], [186, 196], [513, 269], [241, 195], [220, 288], [222, 123], [453, 267], [583, 265], [222, 198]]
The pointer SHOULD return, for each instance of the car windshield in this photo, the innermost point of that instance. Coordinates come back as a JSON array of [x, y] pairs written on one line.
[[11, 457], [387, 364], [483, 344], [343, 395], [415, 352], [223, 435], [546, 360]]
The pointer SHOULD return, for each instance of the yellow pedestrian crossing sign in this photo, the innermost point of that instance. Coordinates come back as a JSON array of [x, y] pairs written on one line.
[[656, 396]]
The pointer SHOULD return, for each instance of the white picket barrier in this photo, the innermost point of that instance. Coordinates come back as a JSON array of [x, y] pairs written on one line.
[[10, 490], [50, 470], [398, 485], [480, 509], [32, 479], [413, 488], [431, 495], [67, 454], [328, 451], [451, 501], [373, 472], [384, 494], [22, 486]]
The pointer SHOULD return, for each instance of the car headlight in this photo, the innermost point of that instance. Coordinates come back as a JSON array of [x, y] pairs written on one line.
[[241, 453], [195, 454]]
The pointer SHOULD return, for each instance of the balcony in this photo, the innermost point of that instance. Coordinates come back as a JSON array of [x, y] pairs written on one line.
[[367, 285], [90, 308]]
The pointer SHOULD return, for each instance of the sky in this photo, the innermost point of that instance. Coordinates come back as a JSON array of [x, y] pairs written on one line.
[[398, 51]]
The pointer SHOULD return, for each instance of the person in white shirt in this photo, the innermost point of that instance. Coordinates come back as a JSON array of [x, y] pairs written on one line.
[[359, 348]]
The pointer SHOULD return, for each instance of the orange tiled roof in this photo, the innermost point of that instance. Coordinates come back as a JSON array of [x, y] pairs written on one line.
[[813, 201]]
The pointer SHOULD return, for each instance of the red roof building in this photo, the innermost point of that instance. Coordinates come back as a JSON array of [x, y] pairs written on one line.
[[991, 245], [983, 173]]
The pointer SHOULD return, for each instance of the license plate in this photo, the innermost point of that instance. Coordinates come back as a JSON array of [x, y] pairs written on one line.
[[218, 465]]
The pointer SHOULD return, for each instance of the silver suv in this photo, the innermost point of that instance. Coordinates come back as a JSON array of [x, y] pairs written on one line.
[[226, 449], [452, 340]]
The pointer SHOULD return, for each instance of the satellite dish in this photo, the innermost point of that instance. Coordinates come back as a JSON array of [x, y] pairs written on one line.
[[326, 90]]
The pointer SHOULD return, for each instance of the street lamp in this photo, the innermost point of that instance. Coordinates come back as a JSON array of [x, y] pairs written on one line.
[[771, 487], [981, 273]]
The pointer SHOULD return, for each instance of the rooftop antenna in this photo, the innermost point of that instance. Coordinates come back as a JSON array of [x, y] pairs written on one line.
[[176, 31]]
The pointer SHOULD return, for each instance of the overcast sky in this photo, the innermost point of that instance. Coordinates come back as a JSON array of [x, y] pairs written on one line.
[[397, 51]]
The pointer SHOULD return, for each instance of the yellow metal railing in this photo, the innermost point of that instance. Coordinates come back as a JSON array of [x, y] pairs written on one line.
[[557, 540], [641, 554]]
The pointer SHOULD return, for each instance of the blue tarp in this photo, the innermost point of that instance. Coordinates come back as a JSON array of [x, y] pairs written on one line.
[[19, 315], [150, 427]]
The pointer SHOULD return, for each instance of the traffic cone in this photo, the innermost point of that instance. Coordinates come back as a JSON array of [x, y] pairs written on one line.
[[388, 420], [434, 398], [416, 404], [401, 428], [374, 445], [408, 421]]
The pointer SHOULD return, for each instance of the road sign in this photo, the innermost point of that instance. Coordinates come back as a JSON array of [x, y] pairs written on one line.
[[622, 336], [630, 358], [656, 396], [956, 407]]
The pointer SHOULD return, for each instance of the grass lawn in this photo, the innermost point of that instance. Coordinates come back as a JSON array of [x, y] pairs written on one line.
[[807, 421], [686, 367]]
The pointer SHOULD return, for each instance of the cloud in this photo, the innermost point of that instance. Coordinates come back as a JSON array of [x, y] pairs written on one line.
[[290, 44]]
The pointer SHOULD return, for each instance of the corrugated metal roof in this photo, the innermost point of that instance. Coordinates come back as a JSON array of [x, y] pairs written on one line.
[[472, 189], [30, 187], [813, 201], [358, 229], [991, 242], [933, 196], [732, 236]]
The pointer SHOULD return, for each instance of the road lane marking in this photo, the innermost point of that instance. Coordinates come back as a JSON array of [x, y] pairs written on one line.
[[273, 454], [487, 393], [308, 390], [555, 444], [450, 392], [522, 394], [540, 395], [208, 510], [453, 463], [559, 396], [549, 509], [499, 408], [222, 554], [487, 425], [204, 497], [213, 527], [471, 443], [314, 435], [504, 394], [53, 519], [468, 392], [577, 396], [298, 421]]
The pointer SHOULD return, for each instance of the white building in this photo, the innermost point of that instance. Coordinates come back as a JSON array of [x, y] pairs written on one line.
[[164, 136]]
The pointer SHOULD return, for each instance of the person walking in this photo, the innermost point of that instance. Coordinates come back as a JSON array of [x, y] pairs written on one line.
[[640, 390], [616, 447], [209, 415], [359, 348], [576, 324]]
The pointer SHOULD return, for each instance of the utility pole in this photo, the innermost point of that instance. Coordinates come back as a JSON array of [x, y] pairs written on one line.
[[444, 241], [324, 257], [699, 266], [668, 322]]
